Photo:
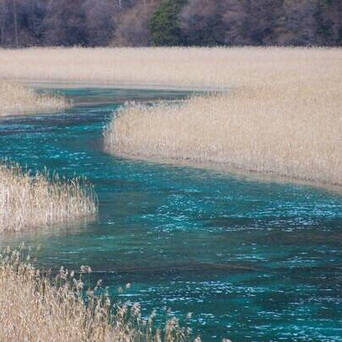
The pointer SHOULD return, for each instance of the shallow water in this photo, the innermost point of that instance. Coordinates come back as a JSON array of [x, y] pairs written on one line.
[[251, 261]]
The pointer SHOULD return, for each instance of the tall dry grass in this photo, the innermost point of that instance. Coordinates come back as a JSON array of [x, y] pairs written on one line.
[[175, 67], [280, 113], [294, 132], [17, 99], [28, 201], [35, 308]]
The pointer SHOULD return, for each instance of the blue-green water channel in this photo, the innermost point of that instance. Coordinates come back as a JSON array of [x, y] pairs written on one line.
[[251, 261]]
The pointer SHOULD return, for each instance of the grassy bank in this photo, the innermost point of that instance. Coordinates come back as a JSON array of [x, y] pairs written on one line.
[[279, 112], [28, 201], [17, 99], [178, 67], [35, 308], [293, 132]]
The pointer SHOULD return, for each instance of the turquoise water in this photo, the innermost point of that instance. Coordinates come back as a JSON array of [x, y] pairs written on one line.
[[251, 261]]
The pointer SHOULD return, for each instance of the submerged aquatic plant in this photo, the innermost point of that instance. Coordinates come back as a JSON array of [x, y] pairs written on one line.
[[32, 200]]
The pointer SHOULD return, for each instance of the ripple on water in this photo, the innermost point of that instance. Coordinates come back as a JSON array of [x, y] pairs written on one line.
[[251, 261]]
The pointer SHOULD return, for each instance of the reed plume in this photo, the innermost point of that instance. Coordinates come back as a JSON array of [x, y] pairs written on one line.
[[28, 201]]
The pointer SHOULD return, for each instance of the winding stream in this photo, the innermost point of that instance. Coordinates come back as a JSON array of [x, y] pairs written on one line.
[[251, 261]]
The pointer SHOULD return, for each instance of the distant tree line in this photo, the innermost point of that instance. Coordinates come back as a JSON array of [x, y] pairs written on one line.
[[170, 22]]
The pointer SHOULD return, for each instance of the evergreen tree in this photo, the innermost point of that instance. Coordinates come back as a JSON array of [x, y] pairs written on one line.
[[164, 23]]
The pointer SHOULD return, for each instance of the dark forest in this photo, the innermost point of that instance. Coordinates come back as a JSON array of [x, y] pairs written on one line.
[[92, 23]]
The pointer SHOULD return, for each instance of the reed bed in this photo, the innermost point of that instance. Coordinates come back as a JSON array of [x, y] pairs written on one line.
[[201, 68], [34, 307], [17, 99], [278, 112], [28, 201], [293, 132]]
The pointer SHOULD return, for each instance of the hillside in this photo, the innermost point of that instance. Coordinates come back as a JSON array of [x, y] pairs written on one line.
[[170, 22]]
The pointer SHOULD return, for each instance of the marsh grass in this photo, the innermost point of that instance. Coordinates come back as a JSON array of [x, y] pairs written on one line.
[[288, 131], [279, 112], [36, 307], [33, 200], [199, 68], [18, 99]]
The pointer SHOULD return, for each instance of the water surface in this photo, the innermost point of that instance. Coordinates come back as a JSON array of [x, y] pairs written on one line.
[[251, 261]]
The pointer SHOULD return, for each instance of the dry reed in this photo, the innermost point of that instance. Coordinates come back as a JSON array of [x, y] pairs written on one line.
[[289, 132], [172, 67], [281, 113], [17, 99], [35, 308], [28, 201]]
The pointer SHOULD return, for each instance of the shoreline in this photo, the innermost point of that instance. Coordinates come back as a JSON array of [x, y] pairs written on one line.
[[224, 168], [235, 171], [18, 100], [118, 85]]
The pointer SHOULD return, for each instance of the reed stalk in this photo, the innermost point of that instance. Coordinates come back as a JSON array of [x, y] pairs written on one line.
[[28, 201]]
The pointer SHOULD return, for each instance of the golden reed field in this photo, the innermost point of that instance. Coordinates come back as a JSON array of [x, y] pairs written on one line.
[[34, 307], [17, 99], [274, 111], [292, 132], [200, 68], [278, 111], [29, 201]]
